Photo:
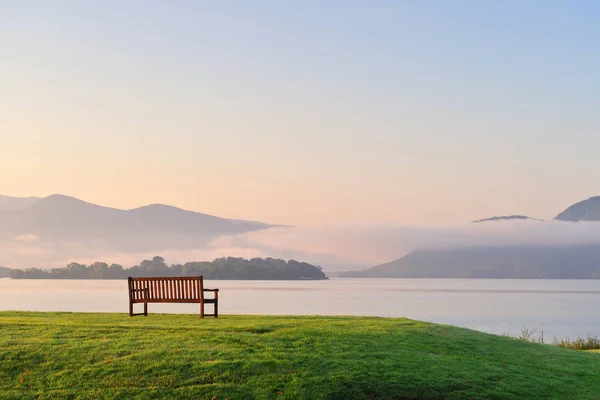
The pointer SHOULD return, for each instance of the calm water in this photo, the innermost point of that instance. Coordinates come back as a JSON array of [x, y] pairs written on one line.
[[562, 308]]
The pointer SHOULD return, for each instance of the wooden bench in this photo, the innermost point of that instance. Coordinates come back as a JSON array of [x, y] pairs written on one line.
[[170, 290]]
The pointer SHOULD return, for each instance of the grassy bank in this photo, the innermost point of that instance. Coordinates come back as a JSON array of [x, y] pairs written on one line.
[[90, 356]]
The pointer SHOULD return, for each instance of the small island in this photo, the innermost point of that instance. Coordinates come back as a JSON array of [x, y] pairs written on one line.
[[220, 268]]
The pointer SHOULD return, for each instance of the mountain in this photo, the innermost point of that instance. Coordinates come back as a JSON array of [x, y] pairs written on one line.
[[8, 203], [4, 272], [586, 210], [512, 262], [506, 218], [580, 261], [64, 218]]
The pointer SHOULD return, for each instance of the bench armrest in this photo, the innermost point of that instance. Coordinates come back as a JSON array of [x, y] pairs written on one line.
[[211, 290]]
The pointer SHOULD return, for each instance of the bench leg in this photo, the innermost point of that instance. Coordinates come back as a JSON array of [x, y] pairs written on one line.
[[130, 308], [217, 304], [145, 309], [201, 310]]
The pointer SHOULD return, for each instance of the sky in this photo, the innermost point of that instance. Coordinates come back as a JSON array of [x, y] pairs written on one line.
[[420, 113]]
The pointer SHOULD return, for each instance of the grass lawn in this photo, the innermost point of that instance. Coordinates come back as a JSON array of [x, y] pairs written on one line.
[[91, 356]]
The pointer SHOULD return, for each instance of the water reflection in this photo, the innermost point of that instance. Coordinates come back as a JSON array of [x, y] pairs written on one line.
[[557, 307]]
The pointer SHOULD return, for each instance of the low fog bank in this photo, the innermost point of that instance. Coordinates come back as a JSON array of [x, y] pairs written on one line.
[[334, 248]]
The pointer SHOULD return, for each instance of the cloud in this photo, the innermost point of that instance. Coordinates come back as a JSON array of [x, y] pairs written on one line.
[[334, 248], [26, 238], [354, 247]]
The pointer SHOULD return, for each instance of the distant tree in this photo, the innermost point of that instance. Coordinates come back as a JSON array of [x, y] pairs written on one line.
[[97, 270], [115, 271], [17, 274], [220, 268]]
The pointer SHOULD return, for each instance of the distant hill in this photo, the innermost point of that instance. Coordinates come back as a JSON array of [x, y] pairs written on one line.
[[5, 272], [64, 218], [586, 210], [506, 218], [8, 203], [515, 262]]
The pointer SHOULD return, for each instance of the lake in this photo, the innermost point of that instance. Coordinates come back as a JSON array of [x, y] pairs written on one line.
[[562, 308]]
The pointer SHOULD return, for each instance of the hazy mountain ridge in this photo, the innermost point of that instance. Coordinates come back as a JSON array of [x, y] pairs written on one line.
[[506, 218], [64, 218], [507, 262], [567, 261], [56, 230], [8, 203], [586, 210]]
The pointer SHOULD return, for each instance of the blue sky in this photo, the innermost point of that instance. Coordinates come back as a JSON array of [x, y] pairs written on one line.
[[384, 112]]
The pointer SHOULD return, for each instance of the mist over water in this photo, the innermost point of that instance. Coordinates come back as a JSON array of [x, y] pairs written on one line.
[[333, 248]]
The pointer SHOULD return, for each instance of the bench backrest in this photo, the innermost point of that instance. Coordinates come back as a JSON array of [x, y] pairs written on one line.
[[167, 289]]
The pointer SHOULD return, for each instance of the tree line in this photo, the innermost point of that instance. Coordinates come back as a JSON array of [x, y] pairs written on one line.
[[220, 268]]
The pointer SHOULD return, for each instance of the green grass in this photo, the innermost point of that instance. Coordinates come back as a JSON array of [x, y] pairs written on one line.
[[91, 356]]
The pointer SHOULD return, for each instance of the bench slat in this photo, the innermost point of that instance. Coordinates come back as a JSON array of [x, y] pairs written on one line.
[[181, 289]]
